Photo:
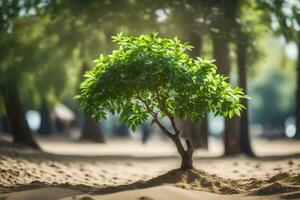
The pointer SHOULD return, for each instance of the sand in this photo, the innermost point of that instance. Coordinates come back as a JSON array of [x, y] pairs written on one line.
[[28, 174], [49, 193], [174, 193]]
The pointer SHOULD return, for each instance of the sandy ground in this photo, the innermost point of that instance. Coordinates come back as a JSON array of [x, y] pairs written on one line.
[[128, 170]]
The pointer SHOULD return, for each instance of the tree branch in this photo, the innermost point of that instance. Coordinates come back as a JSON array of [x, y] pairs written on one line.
[[155, 118], [147, 107], [188, 145], [169, 115]]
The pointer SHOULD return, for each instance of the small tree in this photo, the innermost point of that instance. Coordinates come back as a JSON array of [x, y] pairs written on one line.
[[153, 77]]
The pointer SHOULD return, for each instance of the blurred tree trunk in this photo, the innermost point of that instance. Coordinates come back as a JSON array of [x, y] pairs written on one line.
[[47, 123], [5, 128], [297, 118], [90, 129], [245, 146], [19, 128], [231, 132], [196, 132]]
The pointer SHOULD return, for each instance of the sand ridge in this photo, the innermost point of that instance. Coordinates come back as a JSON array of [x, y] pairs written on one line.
[[199, 180]]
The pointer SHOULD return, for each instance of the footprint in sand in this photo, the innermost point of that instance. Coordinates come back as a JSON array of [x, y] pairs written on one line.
[[86, 198], [145, 198], [81, 169], [291, 162]]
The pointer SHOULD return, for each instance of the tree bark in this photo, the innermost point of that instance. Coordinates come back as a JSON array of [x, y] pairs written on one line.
[[245, 145], [19, 128], [231, 131], [47, 123], [186, 155], [297, 118]]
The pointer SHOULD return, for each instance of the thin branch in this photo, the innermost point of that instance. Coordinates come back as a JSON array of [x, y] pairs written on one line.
[[169, 115], [147, 107], [155, 118], [168, 133]]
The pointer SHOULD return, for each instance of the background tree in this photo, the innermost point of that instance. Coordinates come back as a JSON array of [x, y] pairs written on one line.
[[222, 22], [24, 33], [81, 30], [154, 76], [178, 13], [245, 32], [18, 40]]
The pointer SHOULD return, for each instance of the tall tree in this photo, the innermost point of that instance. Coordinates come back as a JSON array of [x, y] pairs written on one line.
[[223, 20], [15, 62], [231, 133], [244, 34], [198, 131], [178, 14], [25, 29], [245, 146]]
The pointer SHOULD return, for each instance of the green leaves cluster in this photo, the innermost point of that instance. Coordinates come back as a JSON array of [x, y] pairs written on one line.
[[153, 76]]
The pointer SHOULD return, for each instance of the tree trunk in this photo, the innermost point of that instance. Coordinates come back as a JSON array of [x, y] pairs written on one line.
[[231, 132], [5, 128], [19, 127], [47, 123], [203, 130], [91, 130], [196, 132], [186, 155], [298, 95], [245, 146], [231, 136]]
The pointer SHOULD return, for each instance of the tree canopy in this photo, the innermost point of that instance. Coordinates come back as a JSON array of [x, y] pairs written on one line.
[[153, 75]]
